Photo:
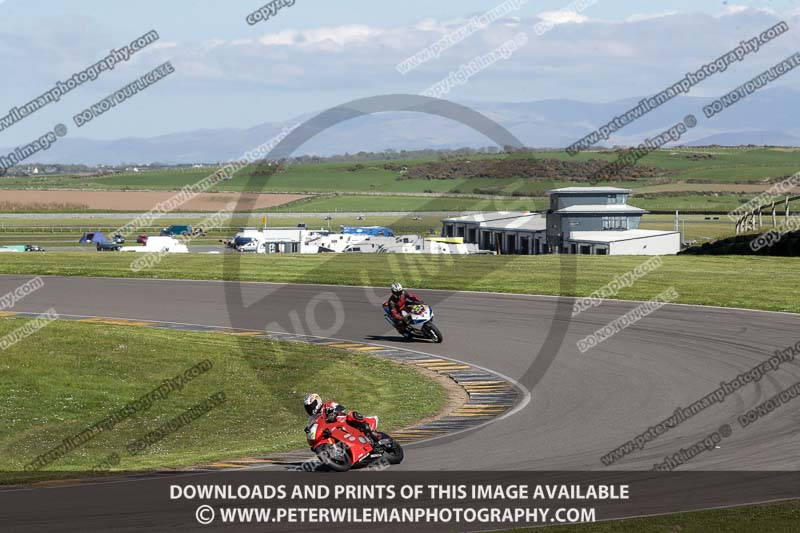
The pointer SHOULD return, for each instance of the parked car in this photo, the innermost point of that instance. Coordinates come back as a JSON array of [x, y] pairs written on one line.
[[141, 239], [176, 230], [246, 244], [108, 247], [33, 248]]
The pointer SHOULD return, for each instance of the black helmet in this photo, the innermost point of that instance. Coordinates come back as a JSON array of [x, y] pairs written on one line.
[[397, 289]]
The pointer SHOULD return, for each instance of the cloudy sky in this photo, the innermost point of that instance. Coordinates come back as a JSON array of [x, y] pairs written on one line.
[[318, 53]]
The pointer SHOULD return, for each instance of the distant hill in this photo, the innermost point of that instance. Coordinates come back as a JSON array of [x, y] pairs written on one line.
[[771, 117], [758, 138]]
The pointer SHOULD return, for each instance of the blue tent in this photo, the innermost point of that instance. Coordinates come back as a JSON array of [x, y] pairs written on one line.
[[94, 237]]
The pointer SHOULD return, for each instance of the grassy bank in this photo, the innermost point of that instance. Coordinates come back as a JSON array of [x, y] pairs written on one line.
[[344, 203], [699, 165], [751, 282], [71, 375], [700, 179], [773, 518]]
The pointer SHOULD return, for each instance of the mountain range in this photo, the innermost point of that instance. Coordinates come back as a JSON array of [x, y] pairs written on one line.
[[768, 117]]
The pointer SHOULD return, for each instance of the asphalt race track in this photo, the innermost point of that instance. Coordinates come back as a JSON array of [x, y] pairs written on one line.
[[583, 406]]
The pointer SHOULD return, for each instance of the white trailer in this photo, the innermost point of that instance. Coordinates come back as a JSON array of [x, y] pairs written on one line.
[[167, 244]]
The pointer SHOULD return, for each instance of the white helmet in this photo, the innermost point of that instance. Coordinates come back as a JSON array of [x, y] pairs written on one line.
[[396, 288], [312, 402]]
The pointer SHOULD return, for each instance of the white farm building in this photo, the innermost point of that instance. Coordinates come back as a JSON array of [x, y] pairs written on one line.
[[581, 220]]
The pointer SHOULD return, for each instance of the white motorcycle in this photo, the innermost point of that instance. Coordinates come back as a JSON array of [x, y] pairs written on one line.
[[419, 326]]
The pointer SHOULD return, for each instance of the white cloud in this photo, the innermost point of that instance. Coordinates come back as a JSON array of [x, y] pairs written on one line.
[[619, 58], [284, 38], [430, 24], [168, 45], [562, 17], [733, 9], [326, 37], [208, 45], [649, 16]]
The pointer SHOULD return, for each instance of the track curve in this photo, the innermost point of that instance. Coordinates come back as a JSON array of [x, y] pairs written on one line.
[[584, 406]]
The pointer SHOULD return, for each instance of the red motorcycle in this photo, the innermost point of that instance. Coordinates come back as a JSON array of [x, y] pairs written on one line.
[[340, 446]]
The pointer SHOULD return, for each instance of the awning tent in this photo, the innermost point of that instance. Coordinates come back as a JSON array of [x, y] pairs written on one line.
[[95, 237]]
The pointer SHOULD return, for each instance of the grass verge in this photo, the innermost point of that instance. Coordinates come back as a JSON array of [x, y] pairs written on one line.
[[71, 375], [772, 518], [749, 282]]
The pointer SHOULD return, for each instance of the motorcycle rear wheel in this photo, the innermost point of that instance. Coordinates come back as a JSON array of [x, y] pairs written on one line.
[[335, 457], [433, 332]]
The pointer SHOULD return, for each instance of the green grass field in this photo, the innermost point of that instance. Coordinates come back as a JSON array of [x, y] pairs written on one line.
[[692, 202], [727, 165], [772, 518], [71, 375], [749, 282], [696, 226], [344, 203], [686, 184]]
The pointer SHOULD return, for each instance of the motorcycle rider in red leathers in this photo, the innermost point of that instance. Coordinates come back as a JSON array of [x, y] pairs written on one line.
[[401, 300], [314, 405]]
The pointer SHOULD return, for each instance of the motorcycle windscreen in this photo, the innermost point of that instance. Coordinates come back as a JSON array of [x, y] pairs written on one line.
[[420, 313]]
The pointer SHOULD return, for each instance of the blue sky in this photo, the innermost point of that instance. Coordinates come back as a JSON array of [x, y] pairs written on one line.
[[317, 54]]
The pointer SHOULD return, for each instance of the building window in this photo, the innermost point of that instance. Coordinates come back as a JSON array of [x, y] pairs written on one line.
[[615, 223], [617, 198]]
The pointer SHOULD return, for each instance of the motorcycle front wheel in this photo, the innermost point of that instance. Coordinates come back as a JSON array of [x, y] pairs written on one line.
[[334, 456], [393, 452], [433, 332]]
